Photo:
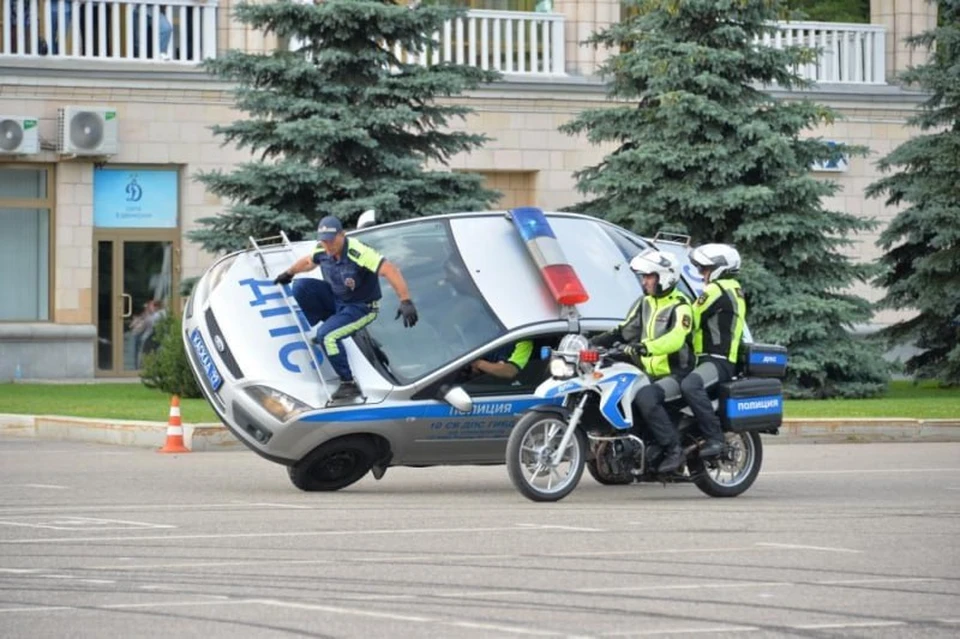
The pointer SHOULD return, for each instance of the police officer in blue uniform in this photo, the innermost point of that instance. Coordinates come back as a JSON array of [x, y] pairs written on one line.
[[348, 297]]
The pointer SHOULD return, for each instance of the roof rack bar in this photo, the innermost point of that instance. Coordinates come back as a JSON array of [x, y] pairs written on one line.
[[288, 245], [674, 238]]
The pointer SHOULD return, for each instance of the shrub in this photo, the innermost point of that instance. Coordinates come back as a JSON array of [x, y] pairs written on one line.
[[167, 368]]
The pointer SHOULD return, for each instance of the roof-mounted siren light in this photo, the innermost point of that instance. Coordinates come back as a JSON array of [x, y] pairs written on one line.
[[545, 250]]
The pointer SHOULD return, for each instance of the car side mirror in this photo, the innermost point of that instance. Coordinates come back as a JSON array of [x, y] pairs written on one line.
[[367, 218], [458, 398]]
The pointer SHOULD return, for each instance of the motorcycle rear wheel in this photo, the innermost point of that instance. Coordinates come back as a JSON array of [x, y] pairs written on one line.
[[735, 471], [529, 449]]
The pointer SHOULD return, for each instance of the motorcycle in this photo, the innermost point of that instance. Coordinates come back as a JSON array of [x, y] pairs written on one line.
[[590, 424]]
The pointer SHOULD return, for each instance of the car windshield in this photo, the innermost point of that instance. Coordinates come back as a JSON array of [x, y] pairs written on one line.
[[453, 318]]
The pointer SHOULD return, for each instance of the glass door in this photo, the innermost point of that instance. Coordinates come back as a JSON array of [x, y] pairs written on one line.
[[135, 275]]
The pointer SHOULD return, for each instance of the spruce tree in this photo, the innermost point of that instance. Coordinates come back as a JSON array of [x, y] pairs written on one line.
[[341, 124], [922, 243], [703, 149]]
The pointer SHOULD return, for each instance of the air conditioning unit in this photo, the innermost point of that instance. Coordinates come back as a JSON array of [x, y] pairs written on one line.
[[87, 130], [19, 135]]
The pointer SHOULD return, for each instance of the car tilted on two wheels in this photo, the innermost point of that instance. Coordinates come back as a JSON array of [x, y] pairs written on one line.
[[481, 281]]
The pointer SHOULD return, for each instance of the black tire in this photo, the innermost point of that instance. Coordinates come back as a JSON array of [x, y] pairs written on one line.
[[334, 465], [520, 455], [746, 444]]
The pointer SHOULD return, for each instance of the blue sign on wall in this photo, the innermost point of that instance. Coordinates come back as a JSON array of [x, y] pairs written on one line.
[[135, 198]]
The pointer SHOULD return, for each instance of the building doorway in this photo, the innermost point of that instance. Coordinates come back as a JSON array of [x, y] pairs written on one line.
[[135, 272]]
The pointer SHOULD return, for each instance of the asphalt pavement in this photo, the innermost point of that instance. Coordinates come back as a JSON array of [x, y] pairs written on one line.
[[831, 541]]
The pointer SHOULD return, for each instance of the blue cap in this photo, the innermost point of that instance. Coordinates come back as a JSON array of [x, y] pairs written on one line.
[[328, 228]]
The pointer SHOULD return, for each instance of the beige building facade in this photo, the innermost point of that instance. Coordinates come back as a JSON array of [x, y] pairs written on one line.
[[101, 239]]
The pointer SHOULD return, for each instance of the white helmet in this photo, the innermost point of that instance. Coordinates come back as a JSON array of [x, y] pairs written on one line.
[[720, 259], [651, 261]]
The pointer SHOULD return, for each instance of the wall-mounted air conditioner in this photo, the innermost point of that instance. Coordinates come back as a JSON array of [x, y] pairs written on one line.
[[87, 130], [19, 135]]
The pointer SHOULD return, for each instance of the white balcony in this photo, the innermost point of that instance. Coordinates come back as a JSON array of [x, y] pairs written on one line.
[[512, 42], [164, 31], [848, 53]]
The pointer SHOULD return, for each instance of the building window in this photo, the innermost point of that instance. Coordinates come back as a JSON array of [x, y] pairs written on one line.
[[26, 223]]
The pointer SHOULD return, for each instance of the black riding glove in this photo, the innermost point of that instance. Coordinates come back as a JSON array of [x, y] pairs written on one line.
[[636, 351], [409, 312], [284, 278]]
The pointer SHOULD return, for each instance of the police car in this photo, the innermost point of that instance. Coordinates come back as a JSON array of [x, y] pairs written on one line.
[[480, 281]]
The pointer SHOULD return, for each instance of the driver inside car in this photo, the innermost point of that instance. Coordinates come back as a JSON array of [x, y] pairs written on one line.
[[656, 332]]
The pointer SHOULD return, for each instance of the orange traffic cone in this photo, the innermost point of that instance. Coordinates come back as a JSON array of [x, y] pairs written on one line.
[[174, 443]]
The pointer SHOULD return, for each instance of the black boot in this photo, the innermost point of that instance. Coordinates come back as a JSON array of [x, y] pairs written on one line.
[[712, 448], [671, 460], [347, 390]]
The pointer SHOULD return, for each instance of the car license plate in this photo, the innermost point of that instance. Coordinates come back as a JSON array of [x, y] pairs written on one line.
[[209, 368]]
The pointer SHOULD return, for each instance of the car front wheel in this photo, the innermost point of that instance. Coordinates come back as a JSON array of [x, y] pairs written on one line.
[[334, 465]]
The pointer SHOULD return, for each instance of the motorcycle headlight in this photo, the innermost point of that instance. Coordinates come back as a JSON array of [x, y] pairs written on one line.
[[278, 404], [560, 368]]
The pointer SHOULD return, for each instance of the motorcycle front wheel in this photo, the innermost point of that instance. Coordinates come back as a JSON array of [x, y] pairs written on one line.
[[735, 470], [530, 451]]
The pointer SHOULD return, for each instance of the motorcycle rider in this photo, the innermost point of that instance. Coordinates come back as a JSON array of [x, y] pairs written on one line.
[[719, 315], [657, 333]]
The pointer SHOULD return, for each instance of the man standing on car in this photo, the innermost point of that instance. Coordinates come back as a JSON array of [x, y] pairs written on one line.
[[719, 315], [348, 297], [657, 334]]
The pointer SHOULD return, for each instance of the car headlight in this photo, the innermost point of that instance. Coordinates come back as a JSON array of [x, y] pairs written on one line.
[[560, 368], [278, 404]]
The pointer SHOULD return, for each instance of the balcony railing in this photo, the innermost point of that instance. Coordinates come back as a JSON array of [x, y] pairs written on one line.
[[512, 42], [849, 53], [170, 31]]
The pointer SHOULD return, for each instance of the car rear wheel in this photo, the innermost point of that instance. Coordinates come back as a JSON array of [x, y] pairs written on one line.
[[334, 465]]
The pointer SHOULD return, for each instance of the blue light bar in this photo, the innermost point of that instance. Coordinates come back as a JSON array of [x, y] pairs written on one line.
[[531, 223]]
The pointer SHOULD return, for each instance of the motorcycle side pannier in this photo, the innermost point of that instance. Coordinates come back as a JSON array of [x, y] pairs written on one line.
[[751, 405], [763, 360]]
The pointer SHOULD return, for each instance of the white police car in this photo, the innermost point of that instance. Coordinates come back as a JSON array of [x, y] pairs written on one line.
[[480, 281]]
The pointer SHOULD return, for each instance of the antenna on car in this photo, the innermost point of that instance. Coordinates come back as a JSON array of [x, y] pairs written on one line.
[[673, 238]]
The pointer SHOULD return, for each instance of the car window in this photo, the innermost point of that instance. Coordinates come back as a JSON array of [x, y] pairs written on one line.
[[453, 318], [526, 381]]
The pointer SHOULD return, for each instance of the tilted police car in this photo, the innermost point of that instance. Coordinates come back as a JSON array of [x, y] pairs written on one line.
[[478, 284]]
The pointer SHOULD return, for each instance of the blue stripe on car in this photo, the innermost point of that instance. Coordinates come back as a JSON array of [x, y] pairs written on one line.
[[422, 410]]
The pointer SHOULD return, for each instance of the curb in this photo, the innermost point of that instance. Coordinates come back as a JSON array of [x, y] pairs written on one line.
[[216, 437], [139, 434]]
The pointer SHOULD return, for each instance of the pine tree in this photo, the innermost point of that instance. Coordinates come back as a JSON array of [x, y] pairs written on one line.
[[922, 243], [341, 124], [703, 150]]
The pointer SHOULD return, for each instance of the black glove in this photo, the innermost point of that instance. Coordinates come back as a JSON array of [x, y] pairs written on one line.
[[636, 351], [409, 312], [284, 278]]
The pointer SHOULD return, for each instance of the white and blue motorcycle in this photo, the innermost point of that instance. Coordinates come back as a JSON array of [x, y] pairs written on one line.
[[587, 420]]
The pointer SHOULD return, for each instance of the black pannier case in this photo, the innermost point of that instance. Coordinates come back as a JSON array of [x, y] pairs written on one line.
[[763, 360], [751, 404]]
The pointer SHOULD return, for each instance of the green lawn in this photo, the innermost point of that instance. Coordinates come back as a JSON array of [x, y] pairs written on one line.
[[134, 401], [105, 400], [904, 399]]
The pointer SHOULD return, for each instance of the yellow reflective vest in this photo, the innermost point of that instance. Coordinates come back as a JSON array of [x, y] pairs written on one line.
[[719, 315]]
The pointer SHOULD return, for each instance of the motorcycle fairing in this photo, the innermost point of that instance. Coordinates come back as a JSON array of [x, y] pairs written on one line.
[[618, 388]]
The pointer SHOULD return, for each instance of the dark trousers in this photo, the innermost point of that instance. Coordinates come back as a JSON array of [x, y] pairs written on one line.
[[649, 402], [340, 319], [696, 388]]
